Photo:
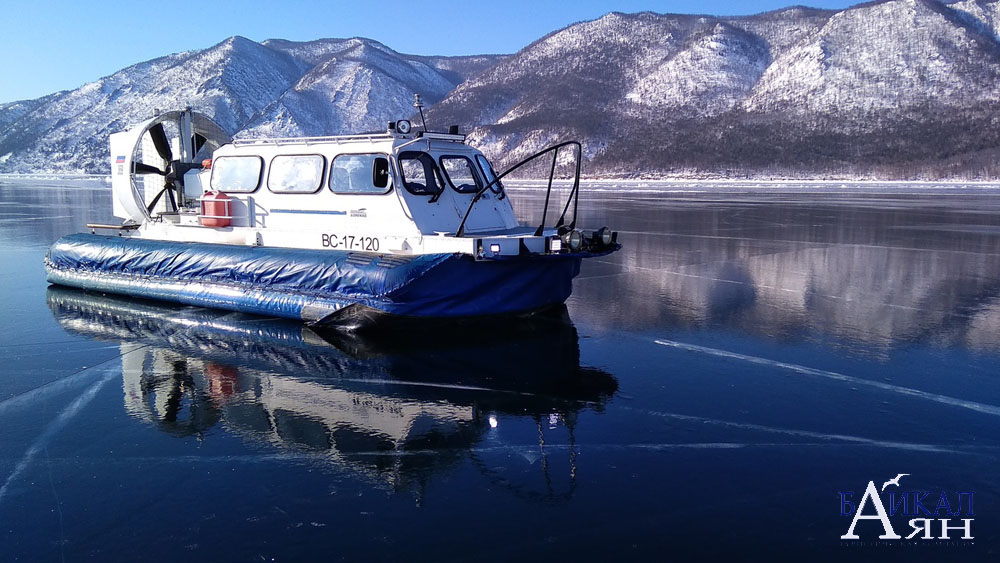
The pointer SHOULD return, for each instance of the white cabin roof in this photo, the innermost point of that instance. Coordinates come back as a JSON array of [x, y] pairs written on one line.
[[397, 140]]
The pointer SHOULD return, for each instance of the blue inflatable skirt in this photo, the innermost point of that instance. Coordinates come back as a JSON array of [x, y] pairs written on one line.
[[316, 286]]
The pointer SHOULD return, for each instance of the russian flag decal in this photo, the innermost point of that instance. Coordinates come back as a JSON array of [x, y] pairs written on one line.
[[120, 160]]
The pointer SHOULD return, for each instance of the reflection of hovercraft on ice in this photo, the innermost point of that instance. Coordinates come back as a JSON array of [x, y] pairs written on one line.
[[394, 408]]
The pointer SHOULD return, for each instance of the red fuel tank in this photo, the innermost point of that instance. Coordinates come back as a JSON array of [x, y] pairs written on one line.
[[215, 209]]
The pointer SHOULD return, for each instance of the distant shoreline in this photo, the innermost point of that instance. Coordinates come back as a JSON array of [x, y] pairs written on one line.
[[679, 186], [89, 181], [672, 185]]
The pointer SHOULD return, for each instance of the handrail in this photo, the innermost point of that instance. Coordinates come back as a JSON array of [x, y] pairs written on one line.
[[361, 137], [574, 193], [370, 137]]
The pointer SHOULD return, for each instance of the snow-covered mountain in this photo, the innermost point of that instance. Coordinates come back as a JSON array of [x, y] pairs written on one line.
[[276, 87], [891, 88], [897, 87], [354, 86]]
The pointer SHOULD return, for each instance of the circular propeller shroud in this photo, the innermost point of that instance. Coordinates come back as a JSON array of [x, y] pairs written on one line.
[[164, 147]]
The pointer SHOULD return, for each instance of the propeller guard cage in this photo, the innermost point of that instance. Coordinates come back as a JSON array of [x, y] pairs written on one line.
[[150, 149]]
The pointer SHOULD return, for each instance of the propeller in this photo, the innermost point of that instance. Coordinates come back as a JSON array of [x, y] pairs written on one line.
[[162, 150], [159, 137]]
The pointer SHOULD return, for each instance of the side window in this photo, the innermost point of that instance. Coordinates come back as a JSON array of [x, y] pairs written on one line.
[[420, 175], [489, 173], [236, 173], [298, 173], [360, 174], [460, 173]]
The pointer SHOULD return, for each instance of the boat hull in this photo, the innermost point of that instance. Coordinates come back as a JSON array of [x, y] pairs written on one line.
[[316, 286]]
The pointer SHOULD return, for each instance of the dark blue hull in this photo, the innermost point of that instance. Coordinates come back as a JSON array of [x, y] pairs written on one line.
[[315, 286]]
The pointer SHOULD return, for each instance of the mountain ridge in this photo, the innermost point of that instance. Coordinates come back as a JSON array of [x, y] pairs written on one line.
[[896, 88], [892, 88], [249, 88]]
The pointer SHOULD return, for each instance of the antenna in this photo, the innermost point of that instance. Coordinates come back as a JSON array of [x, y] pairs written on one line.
[[420, 106]]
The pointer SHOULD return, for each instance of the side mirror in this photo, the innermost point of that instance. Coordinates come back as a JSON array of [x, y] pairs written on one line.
[[380, 172]]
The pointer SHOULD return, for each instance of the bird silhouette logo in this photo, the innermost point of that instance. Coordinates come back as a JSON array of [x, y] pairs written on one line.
[[893, 481]]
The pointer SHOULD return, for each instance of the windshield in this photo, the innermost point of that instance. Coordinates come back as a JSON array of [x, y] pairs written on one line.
[[461, 173], [489, 173]]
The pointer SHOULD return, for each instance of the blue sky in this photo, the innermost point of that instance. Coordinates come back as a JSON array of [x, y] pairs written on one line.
[[51, 45]]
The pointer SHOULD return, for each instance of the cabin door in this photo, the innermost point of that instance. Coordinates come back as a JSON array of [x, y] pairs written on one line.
[[464, 180]]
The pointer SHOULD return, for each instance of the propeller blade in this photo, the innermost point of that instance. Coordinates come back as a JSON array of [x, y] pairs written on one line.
[[168, 188], [141, 168], [156, 198], [199, 141], [159, 137]]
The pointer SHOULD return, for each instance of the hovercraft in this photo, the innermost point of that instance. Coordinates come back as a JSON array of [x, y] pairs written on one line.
[[326, 230]]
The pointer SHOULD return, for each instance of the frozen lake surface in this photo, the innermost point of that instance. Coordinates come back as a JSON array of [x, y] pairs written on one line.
[[709, 392]]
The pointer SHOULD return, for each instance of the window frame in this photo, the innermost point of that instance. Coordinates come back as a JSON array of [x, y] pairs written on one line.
[[260, 173], [388, 189], [473, 169], [497, 186], [437, 170], [270, 168]]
